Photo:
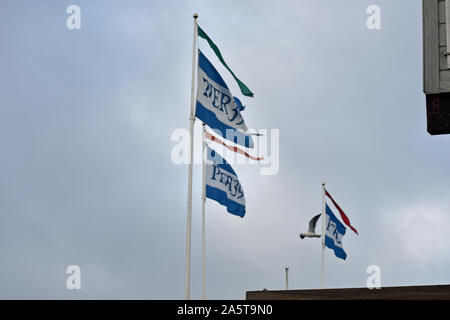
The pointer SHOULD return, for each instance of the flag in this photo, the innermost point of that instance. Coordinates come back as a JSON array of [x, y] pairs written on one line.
[[216, 106], [209, 136], [343, 215], [222, 184], [244, 89], [334, 231], [241, 107]]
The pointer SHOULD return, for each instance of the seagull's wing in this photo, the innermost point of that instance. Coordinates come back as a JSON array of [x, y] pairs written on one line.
[[312, 223]]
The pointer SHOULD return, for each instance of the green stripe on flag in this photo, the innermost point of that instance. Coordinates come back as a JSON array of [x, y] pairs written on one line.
[[244, 89]]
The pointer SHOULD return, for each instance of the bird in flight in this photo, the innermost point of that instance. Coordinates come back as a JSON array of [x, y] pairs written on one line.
[[312, 229]]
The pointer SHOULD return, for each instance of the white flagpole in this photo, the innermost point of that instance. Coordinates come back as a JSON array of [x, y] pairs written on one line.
[[203, 215], [187, 287], [323, 235], [287, 277]]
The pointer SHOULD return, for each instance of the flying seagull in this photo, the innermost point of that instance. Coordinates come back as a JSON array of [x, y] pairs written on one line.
[[312, 227]]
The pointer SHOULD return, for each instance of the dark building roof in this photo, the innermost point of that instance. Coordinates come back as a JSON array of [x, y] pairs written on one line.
[[436, 292]]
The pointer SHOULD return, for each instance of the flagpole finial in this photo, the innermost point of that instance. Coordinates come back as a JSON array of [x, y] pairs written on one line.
[[195, 16]]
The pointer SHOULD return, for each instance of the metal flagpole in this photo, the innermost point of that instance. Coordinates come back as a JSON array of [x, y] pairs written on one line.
[[323, 235], [287, 278], [203, 214], [187, 287]]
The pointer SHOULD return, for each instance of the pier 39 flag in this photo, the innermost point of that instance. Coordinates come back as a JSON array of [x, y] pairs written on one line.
[[334, 231], [223, 185], [217, 107]]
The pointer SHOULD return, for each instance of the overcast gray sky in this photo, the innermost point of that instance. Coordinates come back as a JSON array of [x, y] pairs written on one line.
[[87, 179]]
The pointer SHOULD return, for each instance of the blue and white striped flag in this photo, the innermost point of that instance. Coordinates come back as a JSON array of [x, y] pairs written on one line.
[[217, 107], [334, 231], [222, 184]]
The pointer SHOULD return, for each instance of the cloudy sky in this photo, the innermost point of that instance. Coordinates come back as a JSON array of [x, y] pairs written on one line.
[[86, 176]]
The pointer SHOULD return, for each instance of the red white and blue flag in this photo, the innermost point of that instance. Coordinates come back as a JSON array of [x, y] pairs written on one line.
[[343, 215], [210, 137]]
